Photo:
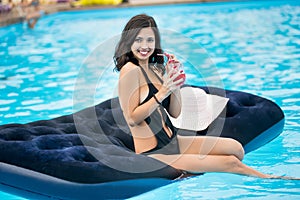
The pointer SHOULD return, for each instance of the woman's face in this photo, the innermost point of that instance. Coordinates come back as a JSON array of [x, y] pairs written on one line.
[[144, 44]]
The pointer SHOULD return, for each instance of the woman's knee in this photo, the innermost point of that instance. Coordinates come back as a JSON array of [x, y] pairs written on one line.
[[232, 164], [241, 153], [238, 149]]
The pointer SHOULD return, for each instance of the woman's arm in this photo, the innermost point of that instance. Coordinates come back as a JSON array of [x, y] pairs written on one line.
[[129, 96], [175, 104], [172, 89]]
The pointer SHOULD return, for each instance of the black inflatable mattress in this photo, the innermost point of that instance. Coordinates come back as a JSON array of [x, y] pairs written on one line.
[[55, 158]]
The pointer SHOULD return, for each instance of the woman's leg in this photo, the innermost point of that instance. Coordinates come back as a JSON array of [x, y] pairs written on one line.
[[208, 145], [209, 163]]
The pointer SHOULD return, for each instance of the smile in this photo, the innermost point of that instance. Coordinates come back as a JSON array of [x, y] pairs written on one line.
[[143, 52]]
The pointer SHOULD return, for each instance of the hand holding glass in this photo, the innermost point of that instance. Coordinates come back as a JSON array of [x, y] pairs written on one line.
[[176, 65]]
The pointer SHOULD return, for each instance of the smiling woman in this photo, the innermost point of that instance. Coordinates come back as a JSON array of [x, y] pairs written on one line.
[[39, 68], [144, 44], [147, 94]]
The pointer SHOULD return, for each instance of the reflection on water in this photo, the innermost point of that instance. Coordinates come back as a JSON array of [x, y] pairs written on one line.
[[225, 186]]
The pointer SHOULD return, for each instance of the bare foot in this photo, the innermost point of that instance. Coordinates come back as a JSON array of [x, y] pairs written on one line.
[[281, 177]]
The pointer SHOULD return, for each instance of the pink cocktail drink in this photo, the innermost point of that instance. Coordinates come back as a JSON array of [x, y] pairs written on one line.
[[176, 65]]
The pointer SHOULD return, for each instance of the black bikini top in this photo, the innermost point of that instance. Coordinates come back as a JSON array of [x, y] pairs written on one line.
[[153, 90]]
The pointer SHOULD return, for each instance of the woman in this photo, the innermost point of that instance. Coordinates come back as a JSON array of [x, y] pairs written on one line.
[[146, 87], [32, 12]]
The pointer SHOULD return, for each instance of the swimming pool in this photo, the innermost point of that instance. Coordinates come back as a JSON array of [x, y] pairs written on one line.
[[254, 45]]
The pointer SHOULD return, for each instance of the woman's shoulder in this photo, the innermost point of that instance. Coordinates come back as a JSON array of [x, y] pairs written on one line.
[[129, 67]]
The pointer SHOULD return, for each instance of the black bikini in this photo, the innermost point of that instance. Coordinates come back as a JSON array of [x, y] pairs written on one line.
[[165, 144]]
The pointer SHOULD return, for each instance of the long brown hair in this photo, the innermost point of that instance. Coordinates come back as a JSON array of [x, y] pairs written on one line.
[[123, 53]]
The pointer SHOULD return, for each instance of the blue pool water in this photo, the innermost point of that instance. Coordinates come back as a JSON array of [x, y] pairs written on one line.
[[251, 46]]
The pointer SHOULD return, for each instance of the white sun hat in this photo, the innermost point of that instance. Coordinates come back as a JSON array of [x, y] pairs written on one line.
[[199, 109]]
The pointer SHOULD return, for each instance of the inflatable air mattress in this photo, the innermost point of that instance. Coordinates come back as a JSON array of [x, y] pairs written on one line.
[[51, 159], [96, 2]]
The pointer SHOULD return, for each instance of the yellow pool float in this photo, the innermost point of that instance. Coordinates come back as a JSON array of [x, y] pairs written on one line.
[[97, 2]]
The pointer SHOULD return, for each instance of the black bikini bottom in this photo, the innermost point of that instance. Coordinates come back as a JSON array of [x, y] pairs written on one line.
[[171, 148]]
